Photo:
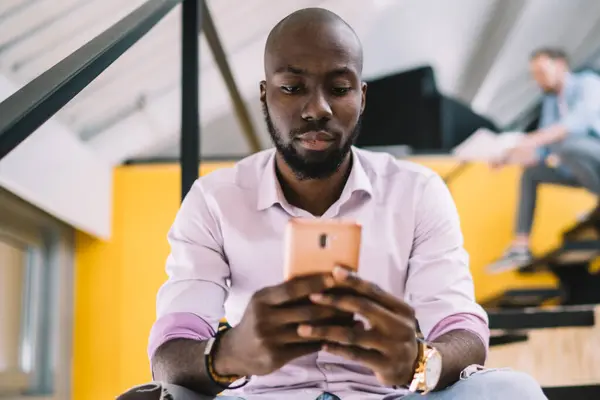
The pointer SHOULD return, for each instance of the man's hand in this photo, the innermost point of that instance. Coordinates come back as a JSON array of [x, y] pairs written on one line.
[[388, 346], [524, 154], [267, 337]]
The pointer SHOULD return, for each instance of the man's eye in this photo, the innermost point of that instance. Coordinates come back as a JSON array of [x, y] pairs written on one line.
[[290, 89], [340, 91]]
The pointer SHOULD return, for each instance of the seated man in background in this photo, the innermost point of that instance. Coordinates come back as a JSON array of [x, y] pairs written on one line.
[[227, 255], [565, 150]]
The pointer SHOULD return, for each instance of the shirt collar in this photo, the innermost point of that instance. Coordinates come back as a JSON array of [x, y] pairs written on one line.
[[270, 192]]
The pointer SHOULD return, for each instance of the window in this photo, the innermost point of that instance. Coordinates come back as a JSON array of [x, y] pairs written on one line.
[[35, 302], [12, 278]]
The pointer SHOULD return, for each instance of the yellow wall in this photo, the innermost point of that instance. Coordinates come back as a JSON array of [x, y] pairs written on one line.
[[116, 281]]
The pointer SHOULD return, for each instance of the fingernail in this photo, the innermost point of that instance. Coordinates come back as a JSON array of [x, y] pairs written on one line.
[[329, 281], [316, 297], [340, 272], [304, 330]]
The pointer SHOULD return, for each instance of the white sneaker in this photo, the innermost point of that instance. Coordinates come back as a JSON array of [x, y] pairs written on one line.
[[514, 258]]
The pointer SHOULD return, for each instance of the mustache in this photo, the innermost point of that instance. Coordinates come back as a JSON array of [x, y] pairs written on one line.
[[313, 126]]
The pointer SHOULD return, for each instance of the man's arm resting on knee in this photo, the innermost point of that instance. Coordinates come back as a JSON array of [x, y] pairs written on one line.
[[459, 349], [181, 362]]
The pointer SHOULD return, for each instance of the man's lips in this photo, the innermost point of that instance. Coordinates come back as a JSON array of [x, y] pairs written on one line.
[[314, 135], [320, 140]]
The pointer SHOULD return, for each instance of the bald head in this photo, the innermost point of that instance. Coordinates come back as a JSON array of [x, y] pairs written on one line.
[[310, 26], [313, 94]]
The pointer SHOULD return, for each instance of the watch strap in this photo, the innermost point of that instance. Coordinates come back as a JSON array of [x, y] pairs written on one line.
[[418, 382]]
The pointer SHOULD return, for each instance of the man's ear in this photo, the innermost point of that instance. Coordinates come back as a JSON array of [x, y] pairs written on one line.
[[363, 97], [263, 91]]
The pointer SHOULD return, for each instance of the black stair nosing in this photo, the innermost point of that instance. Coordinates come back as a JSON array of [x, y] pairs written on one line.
[[540, 263], [545, 291], [592, 221], [572, 392], [524, 291], [513, 298], [570, 245], [538, 318], [573, 232], [508, 338]]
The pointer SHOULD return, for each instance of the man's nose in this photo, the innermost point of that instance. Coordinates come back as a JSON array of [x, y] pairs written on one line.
[[317, 107]]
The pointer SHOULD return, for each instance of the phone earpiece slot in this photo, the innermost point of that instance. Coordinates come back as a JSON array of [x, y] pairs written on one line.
[[323, 239]]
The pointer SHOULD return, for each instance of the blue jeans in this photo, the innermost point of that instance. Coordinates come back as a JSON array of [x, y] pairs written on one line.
[[490, 384]]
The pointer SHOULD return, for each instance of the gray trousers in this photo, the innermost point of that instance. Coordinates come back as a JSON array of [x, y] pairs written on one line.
[[579, 156]]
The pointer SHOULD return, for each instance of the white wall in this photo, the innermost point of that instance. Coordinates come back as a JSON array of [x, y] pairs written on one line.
[[56, 172]]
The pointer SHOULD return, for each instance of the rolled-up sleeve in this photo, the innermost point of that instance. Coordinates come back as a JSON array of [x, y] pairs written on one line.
[[190, 303], [585, 113], [439, 285]]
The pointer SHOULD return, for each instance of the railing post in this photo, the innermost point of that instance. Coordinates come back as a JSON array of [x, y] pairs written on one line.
[[190, 102]]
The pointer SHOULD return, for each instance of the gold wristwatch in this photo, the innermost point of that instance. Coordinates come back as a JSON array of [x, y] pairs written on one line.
[[428, 368]]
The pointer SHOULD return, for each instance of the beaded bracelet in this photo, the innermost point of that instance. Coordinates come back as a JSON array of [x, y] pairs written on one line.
[[221, 381]]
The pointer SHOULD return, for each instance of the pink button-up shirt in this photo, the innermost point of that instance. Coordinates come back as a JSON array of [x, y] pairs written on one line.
[[227, 243]]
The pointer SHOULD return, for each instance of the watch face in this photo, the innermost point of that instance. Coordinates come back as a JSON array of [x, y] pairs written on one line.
[[433, 370]]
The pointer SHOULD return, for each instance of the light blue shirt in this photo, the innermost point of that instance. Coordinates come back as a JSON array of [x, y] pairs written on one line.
[[582, 118]]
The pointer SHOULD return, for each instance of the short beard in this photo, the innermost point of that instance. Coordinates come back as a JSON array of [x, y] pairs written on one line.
[[305, 169]]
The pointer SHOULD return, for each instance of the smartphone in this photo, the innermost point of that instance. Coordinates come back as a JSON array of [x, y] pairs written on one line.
[[316, 246]]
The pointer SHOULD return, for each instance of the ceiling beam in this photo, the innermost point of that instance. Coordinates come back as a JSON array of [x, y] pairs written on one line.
[[526, 94], [517, 93], [239, 106], [41, 26], [156, 126], [562, 24], [503, 18], [94, 18], [17, 8], [220, 136]]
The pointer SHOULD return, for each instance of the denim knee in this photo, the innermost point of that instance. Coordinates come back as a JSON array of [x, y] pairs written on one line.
[[499, 384]]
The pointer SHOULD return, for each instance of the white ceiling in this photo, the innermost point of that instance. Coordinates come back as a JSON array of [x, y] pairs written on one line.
[[478, 48]]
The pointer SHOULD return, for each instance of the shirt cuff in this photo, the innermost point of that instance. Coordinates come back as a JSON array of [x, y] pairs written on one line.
[[463, 321], [181, 325]]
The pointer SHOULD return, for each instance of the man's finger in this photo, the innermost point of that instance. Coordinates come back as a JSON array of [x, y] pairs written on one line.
[[289, 352], [302, 313], [379, 317], [346, 279], [289, 335], [348, 336], [296, 289]]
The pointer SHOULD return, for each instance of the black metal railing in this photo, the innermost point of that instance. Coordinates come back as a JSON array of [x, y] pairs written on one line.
[[30, 107], [27, 109]]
